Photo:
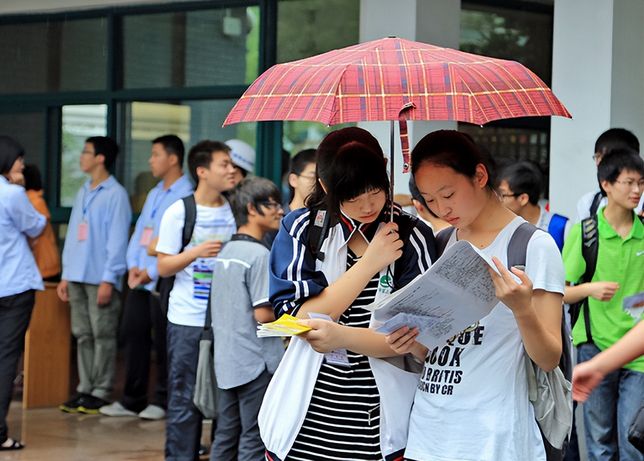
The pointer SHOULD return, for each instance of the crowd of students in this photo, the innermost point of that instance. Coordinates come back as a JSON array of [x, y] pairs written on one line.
[[215, 248]]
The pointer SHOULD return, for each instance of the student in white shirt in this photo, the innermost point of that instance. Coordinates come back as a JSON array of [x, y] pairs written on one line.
[[472, 400], [212, 169]]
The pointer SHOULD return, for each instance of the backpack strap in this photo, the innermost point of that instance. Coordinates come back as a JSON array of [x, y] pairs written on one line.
[[557, 229], [319, 221], [518, 246], [442, 238], [189, 221], [594, 206], [589, 251]]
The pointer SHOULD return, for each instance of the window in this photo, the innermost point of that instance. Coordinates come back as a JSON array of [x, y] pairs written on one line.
[[78, 124], [521, 32], [192, 121], [74, 58], [197, 48], [309, 27]]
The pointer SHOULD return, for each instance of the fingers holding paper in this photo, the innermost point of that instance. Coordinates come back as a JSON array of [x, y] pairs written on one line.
[[324, 336], [403, 341], [517, 296]]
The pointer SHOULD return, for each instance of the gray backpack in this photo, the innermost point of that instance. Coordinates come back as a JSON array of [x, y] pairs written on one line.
[[550, 392]]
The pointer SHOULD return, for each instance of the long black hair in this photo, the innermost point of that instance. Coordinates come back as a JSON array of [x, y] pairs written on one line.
[[350, 162], [10, 150]]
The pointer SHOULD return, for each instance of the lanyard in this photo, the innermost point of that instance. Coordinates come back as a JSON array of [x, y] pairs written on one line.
[[158, 200], [93, 195]]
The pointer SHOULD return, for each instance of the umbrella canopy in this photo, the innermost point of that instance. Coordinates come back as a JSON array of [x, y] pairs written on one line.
[[374, 80]]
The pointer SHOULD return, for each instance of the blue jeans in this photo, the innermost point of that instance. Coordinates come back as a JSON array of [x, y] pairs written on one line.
[[610, 410], [183, 420]]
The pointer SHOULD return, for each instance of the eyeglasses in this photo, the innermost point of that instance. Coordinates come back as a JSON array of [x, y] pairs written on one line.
[[271, 205], [508, 195], [630, 183], [307, 177]]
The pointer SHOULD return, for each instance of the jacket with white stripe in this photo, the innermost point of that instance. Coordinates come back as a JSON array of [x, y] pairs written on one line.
[[295, 276]]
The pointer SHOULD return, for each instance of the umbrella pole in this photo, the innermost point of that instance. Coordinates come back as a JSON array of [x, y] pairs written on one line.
[[391, 167]]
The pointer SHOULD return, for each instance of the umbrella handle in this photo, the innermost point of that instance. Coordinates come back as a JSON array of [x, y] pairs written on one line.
[[404, 143]]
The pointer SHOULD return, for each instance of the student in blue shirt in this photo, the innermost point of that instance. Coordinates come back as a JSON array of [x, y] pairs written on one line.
[[142, 311], [93, 267], [19, 276]]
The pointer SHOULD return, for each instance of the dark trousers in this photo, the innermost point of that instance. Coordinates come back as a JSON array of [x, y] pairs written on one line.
[[15, 313], [142, 326], [183, 420], [237, 434]]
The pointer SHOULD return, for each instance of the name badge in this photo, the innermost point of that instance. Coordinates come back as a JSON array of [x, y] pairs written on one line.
[[201, 280], [83, 231], [146, 236]]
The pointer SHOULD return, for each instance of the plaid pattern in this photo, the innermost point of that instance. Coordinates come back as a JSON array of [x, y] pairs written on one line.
[[374, 80]]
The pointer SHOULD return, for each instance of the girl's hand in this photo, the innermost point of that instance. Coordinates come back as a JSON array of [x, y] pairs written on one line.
[[384, 248], [517, 296], [403, 341], [325, 336]]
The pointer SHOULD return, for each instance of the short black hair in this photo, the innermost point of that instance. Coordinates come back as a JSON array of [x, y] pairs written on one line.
[[416, 195], [252, 190], [105, 146], [33, 179], [617, 160], [616, 138], [173, 145], [297, 165], [201, 155], [524, 178]]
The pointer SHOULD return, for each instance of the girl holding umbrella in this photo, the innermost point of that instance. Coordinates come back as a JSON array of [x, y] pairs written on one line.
[[336, 395]]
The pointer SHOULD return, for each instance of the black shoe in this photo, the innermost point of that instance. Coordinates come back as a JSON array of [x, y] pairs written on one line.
[[72, 405], [90, 404]]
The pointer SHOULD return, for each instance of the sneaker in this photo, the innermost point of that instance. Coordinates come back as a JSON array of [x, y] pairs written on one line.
[[72, 405], [115, 409], [90, 405], [153, 412]]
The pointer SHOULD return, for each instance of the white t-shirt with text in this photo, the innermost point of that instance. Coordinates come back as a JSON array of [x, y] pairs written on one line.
[[189, 295], [472, 398]]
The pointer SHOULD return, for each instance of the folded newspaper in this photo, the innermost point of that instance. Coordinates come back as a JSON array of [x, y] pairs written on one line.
[[456, 292], [286, 325]]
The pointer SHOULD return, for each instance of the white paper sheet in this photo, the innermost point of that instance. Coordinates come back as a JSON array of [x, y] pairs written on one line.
[[454, 293]]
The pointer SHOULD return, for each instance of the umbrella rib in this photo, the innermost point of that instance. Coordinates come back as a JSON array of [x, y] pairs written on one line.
[[523, 89]]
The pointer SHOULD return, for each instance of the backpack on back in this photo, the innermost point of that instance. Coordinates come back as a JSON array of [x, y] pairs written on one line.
[[550, 392], [165, 284]]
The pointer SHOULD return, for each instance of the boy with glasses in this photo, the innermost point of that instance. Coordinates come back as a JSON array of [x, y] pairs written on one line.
[[520, 187], [93, 267], [244, 363], [619, 256], [614, 138]]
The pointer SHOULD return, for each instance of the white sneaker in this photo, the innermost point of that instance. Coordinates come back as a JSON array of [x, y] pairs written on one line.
[[115, 409], [153, 412]]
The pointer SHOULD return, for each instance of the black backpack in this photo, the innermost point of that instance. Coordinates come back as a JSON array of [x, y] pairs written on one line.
[[516, 255], [165, 284]]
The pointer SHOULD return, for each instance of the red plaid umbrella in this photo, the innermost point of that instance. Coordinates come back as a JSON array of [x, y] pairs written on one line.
[[396, 79], [374, 80]]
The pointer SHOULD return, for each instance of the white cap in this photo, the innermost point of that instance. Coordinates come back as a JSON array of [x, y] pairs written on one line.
[[242, 154]]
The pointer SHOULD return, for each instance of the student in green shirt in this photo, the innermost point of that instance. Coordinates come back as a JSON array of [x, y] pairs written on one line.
[[619, 273]]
